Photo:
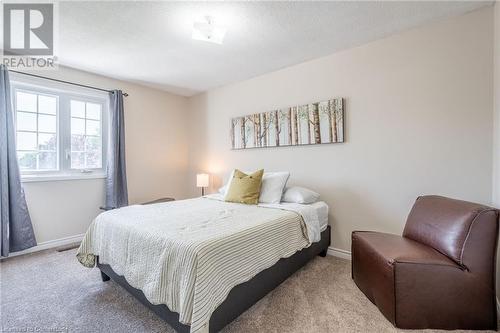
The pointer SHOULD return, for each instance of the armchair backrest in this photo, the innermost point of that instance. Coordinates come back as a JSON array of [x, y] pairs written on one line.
[[455, 228]]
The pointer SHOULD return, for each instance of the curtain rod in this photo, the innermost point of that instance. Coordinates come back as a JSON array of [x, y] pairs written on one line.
[[62, 81]]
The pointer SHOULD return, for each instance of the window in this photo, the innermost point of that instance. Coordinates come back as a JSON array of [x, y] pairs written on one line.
[[59, 133], [36, 124], [86, 135]]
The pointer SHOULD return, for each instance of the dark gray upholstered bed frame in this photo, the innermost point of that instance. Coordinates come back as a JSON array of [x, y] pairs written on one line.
[[241, 297]]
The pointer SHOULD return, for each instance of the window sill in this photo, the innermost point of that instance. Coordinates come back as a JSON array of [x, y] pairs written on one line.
[[61, 177]]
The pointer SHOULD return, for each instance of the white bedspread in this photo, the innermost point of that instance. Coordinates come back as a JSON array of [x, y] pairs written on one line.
[[189, 254], [309, 215], [308, 212]]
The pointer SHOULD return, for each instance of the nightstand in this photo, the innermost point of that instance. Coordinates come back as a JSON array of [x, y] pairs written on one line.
[[144, 203], [158, 201]]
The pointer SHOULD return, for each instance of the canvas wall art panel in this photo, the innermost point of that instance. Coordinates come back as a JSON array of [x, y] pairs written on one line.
[[315, 123]]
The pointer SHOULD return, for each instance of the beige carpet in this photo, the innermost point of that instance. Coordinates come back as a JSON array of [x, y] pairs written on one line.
[[51, 291]]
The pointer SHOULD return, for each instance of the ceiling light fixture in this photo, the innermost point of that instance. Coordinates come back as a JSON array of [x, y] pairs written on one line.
[[208, 31]]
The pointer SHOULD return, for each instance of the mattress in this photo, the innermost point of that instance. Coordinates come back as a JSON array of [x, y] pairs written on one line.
[[322, 211]]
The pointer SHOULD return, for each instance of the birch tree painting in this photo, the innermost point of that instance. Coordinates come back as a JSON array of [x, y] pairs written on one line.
[[315, 123]]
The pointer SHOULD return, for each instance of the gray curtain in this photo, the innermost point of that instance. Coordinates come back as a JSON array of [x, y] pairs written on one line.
[[116, 175], [16, 228]]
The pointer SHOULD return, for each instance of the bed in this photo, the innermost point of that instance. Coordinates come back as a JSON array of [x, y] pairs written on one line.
[[199, 263]]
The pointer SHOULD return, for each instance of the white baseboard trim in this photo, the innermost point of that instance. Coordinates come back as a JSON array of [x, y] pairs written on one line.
[[344, 254], [50, 244]]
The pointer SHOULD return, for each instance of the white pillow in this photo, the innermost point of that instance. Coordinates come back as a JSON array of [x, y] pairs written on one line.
[[299, 195], [223, 189], [273, 184]]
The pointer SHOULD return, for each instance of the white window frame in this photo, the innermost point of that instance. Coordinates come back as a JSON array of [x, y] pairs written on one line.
[[14, 103], [65, 94]]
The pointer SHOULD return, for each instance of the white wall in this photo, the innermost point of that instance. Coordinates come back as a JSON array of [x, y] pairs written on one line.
[[496, 129], [496, 144], [418, 121], [63, 209], [156, 152]]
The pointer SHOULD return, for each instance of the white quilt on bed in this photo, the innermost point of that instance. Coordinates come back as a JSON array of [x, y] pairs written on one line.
[[309, 214], [189, 254]]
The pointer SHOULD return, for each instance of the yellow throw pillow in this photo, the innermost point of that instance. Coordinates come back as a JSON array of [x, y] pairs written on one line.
[[245, 188]]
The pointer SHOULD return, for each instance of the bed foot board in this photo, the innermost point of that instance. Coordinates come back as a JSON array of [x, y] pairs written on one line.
[[104, 277], [323, 253]]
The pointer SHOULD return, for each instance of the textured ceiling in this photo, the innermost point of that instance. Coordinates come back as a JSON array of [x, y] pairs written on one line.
[[150, 42]]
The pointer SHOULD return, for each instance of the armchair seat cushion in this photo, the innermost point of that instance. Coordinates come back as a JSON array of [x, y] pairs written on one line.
[[389, 248]]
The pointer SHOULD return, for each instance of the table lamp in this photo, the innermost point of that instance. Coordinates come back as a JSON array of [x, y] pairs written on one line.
[[202, 181]]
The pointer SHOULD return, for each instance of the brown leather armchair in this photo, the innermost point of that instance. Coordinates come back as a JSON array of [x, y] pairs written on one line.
[[440, 273]]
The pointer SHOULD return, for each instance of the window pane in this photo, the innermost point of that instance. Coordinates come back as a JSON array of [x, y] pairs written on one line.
[[94, 159], [47, 123], [93, 127], [77, 142], [47, 104], [93, 111], [27, 160], [47, 161], [26, 121], [26, 101], [77, 160], [77, 126], [47, 141], [77, 109], [92, 143], [37, 131], [26, 141]]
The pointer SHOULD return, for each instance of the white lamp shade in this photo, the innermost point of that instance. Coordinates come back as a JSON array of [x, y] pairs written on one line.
[[202, 180]]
